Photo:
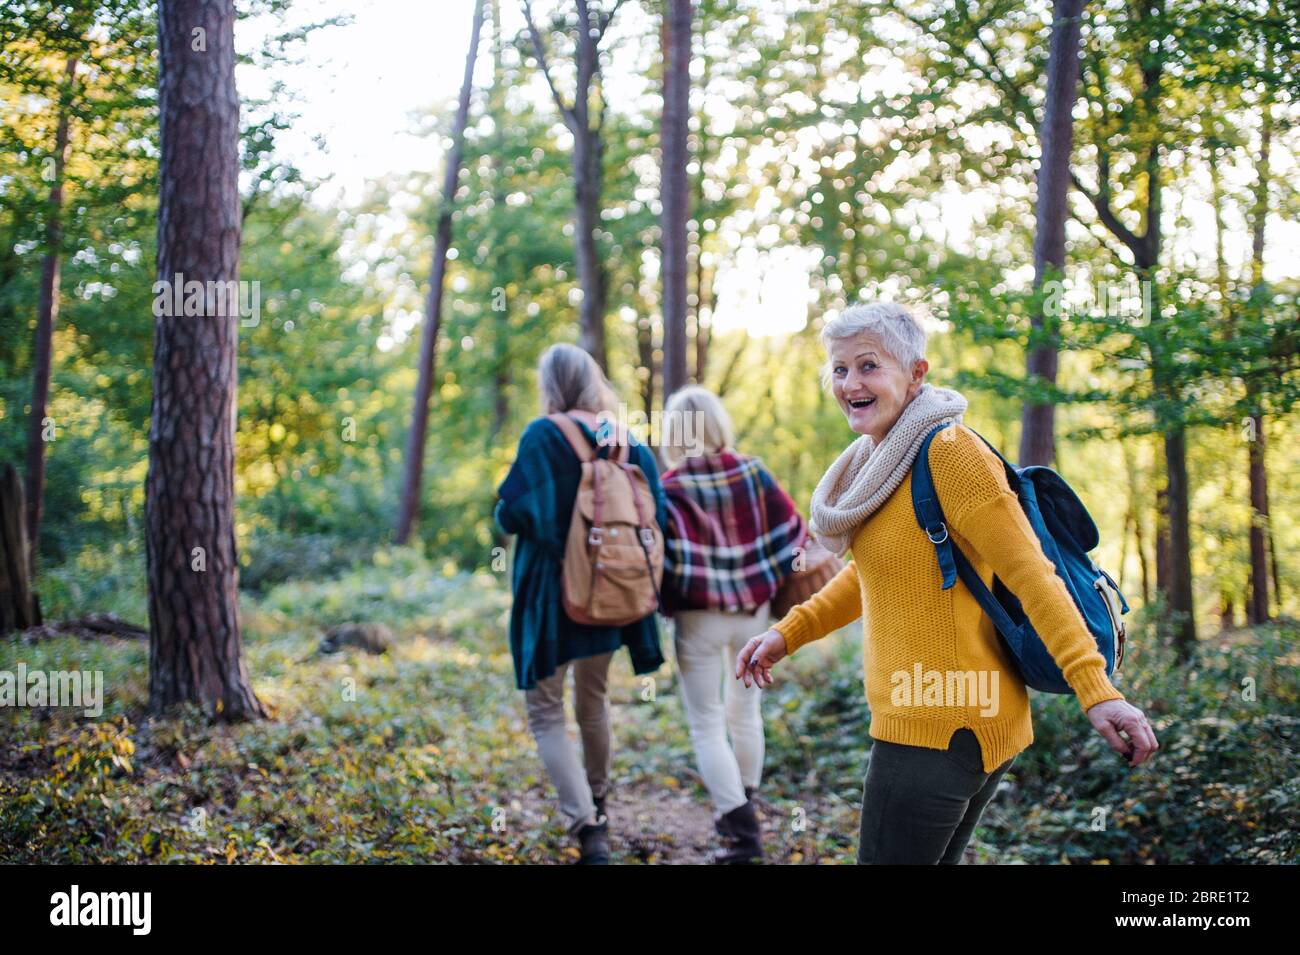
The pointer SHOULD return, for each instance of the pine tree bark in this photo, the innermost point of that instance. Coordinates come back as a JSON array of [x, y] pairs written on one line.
[[1056, 137], [195, 652], [46, 315], [416, 438]]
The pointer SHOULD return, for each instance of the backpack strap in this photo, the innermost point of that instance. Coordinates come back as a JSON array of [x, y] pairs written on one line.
[[952, 562], [573, 434], [644, 533], [572, 431], [929, 513]]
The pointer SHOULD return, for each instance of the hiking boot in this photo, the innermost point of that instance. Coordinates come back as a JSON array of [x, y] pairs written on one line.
[[600, 804], [594, 839], [722, 825], [742, 837]]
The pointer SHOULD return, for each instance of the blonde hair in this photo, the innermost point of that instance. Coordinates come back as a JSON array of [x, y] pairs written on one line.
[[569, 379], [897, 328], [695, 422]]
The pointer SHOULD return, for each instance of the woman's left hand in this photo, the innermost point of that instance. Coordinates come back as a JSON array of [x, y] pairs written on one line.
[[1109, 717]]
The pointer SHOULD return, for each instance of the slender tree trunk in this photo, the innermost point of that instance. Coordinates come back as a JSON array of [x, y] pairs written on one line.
[[646, 358], [675, 188], [1143, 567], [1227, 612], [585, 123], [1130, 508], [19, 606], [501, 331], [1161, 529], [1056, 135], [729, 373], [1173, 534], [1260, 528], [702, 281], [1173, 541], [1257, 609], [1180, 545], [1223, 282], [46, 315], [588, 184], [194, 641], [410, 504]]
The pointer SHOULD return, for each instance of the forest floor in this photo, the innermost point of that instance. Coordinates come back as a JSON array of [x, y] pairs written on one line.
[[422, 754]]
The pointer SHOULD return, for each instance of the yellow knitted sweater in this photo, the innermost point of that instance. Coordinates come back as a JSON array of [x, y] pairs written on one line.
[[933, 661]]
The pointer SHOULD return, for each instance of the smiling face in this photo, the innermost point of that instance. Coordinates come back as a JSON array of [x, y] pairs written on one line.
[[871, 386]]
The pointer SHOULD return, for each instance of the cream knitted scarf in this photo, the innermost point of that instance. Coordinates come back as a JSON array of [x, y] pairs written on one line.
[[863, 476]]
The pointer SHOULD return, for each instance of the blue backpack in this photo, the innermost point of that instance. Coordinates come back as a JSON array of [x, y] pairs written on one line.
[[1067, 532]]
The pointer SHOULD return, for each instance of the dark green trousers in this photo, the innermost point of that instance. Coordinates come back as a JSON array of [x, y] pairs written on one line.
[[920, 805]]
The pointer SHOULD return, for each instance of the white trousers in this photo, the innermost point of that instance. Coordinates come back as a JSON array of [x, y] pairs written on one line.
[[707, 642]]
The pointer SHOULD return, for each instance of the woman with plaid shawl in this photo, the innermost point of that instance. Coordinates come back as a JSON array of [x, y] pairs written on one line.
[[733, 534]]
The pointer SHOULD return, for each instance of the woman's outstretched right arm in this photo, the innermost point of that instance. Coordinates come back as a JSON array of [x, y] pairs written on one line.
[[836, 605]]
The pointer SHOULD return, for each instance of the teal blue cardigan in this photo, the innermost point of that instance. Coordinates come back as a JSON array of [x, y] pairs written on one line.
[[535, 502]]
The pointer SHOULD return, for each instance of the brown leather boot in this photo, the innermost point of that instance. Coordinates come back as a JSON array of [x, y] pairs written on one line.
[[742, 837]]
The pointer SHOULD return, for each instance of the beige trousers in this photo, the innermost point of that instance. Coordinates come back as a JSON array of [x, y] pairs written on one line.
[[717, 704], [577, 783]]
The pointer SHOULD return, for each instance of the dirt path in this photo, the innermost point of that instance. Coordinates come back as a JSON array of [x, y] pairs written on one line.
[[647, 824], [659, 826]]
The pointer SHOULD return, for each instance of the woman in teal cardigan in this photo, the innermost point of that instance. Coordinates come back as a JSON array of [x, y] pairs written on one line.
[[535, 502]]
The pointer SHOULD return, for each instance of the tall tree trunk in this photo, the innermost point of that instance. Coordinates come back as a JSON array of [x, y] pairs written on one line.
[[1227, 605], [19, 606], [586, 124], [1173, 528], [588, 184], [1144, 568], [195, 651], [501, 331], [415, 440], [702, 279], [1173, 534], [1056, 136], [46, 315], [1260, 528], [675, 188], [1180, 545], [1162, 527]]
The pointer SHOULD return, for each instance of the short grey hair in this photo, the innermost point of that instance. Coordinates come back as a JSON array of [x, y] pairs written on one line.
[[897, 328]]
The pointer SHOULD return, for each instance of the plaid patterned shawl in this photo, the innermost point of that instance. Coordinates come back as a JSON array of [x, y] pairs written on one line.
[[732, 534]]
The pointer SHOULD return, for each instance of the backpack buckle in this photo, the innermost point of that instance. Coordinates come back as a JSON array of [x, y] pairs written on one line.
[[647, 537], [593, 537], [929, 532]]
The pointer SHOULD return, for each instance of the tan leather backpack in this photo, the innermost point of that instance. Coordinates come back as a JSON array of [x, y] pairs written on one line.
[[614, 555]]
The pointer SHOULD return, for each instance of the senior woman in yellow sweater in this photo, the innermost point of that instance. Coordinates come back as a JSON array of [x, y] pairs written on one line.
[[935, 760]]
